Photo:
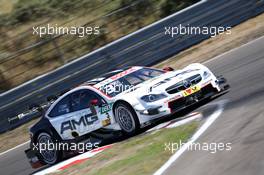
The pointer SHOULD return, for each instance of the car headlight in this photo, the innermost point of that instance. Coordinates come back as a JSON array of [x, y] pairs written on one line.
[[153, 97], [206, 74]]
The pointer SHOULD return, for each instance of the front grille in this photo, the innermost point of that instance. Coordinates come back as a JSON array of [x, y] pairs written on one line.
[[184, 84]]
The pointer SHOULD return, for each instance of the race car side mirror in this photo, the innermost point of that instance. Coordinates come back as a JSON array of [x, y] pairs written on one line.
[[168, 69], [94, 102]]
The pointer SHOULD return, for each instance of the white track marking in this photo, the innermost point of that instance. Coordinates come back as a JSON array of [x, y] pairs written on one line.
[[233, 50], [203, 128], [86, 155], [185, 121], [55, 168], [171, 124], [22, 144]]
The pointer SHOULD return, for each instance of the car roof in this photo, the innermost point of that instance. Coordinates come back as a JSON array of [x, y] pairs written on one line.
[[95, 80]]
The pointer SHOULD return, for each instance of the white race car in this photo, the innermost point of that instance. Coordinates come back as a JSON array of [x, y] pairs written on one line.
[[124, 100]]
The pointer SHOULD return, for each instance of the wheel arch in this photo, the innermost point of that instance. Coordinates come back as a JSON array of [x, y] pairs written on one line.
[[122, 102], [48, 131], [134, 115]]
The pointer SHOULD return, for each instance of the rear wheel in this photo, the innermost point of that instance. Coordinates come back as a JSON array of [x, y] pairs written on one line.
[[127, 119], [47, 149]]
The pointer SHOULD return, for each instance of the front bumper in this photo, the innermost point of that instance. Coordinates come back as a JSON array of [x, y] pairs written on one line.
[[177, 102], [181, 103]]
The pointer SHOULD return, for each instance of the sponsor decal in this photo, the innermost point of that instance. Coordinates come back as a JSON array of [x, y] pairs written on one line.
[[72, 124], [106, 122], [191, 90], [106, 108]]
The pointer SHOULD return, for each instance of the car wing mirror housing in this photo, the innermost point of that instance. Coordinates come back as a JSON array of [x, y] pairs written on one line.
[[95, 102], [168, 69]]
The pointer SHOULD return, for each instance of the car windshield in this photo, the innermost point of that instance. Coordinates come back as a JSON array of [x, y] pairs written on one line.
[[129, 81]]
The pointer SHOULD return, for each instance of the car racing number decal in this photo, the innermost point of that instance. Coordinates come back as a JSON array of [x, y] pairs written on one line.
[[191, 90], [107, 121]]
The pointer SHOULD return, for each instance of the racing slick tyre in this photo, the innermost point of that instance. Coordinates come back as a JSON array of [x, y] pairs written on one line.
[[49, 155], [127, 119]]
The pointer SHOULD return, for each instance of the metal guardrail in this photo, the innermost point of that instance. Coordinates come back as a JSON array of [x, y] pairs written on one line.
[[144, 47]]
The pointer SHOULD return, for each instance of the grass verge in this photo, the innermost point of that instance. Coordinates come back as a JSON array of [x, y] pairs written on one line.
[[139, 155]]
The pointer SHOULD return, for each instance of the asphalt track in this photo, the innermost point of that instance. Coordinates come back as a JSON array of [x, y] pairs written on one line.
[[241, 123]]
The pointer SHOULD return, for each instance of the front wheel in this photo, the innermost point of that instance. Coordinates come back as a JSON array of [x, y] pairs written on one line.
[[127, 119]]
